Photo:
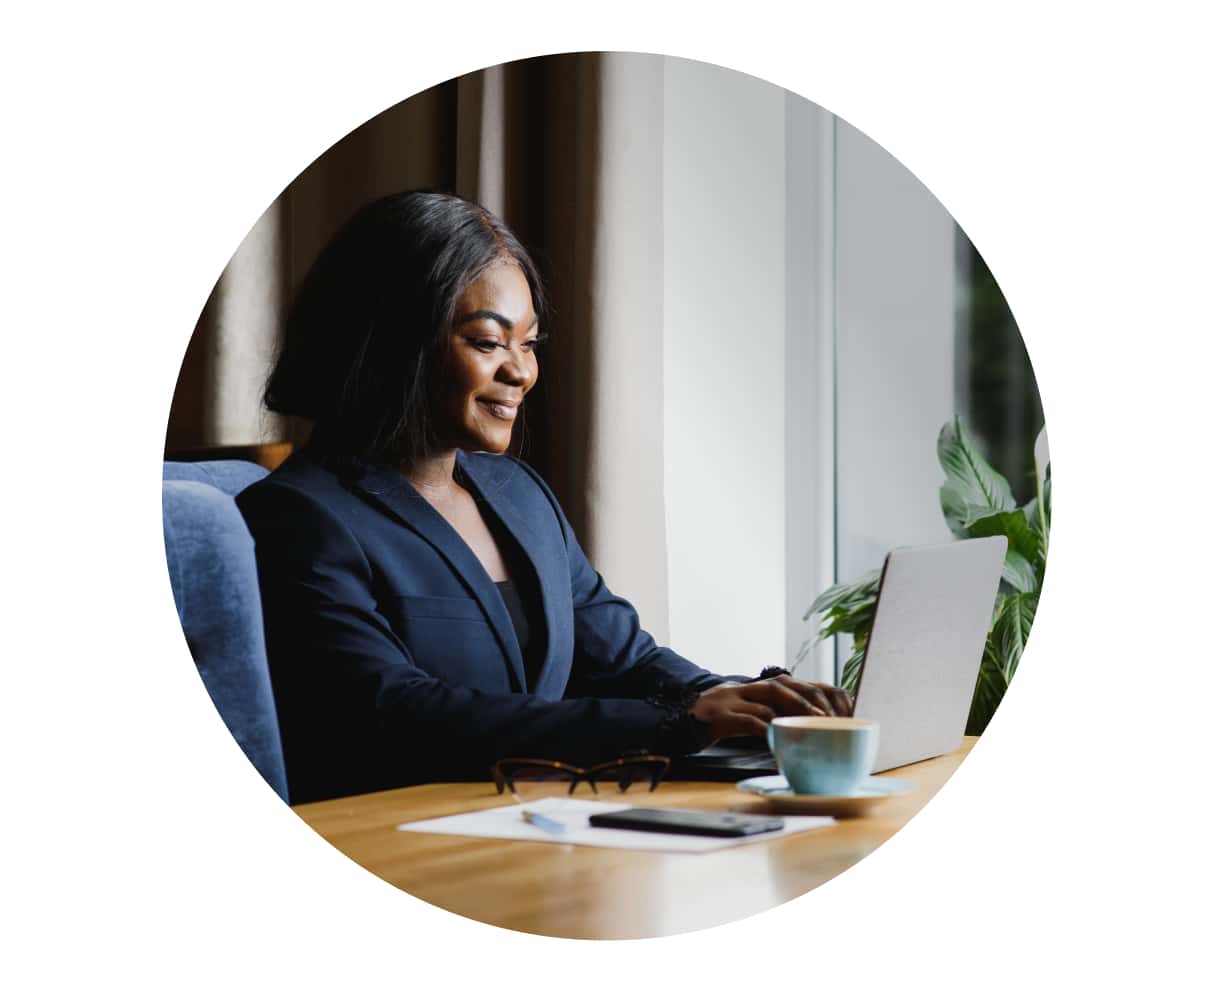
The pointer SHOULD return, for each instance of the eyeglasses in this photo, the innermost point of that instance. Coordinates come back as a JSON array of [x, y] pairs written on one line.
[[529, 780]]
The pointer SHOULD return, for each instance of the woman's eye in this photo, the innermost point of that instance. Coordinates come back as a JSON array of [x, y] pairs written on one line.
[[487, 345]]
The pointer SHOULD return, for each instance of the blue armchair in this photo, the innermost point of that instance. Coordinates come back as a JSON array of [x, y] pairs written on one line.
[[214, 577]]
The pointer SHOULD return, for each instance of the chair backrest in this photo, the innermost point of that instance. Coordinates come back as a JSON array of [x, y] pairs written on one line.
[[214, 576]]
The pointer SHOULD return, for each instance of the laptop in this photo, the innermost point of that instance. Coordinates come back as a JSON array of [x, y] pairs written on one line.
[[929, 630]]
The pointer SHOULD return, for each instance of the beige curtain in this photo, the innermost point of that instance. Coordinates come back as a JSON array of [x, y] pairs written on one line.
[[567, 150]]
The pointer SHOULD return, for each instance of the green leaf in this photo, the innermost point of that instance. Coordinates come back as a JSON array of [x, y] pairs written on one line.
[[1021, 537], [988, 691], [1011, 630], [851, 670], [843, 594], [1018, 572], [849, 620], [972, 488], [1000, 595], [1032, 516]]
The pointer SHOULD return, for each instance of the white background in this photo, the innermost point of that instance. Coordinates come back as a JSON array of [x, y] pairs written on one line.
[[140, 849]]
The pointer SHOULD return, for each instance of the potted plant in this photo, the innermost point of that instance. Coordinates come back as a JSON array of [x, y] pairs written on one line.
[[976, 501]]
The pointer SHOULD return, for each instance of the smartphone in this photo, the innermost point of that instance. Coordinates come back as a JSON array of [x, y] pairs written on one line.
[[718, 823]]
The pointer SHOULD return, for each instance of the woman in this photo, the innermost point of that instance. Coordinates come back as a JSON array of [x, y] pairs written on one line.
[[428, 609]]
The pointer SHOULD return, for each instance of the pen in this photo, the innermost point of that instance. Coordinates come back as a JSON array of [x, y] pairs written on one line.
[[549, 825]]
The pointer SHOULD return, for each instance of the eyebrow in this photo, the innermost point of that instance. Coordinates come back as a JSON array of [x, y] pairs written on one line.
[[488, 314]]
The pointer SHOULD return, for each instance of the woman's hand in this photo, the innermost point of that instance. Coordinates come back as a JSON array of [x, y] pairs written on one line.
[[745, 709]]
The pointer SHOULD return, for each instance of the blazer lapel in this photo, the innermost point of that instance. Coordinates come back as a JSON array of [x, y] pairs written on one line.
[[538, 553], [383, 484]]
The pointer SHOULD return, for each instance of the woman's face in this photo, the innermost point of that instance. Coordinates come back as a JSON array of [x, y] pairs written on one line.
[[490, 362]]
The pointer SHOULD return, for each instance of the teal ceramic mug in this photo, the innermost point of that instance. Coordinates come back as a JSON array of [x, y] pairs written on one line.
[[820, 755]]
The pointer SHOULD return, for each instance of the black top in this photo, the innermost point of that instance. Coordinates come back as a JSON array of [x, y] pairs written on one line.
[[522, 628], [521, 595]]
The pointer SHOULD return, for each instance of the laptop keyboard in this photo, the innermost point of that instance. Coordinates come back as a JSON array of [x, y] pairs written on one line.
[[759, 761]]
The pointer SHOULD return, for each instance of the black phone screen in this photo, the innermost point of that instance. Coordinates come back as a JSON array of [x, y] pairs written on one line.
[[715, 823]]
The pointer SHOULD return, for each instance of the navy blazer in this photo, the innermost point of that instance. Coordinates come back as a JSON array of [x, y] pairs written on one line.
[[392, 654]]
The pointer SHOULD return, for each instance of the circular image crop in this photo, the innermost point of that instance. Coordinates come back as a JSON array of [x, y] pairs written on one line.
[[606, 495]]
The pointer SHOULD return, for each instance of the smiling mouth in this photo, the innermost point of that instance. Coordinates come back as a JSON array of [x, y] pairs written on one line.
[[500, 410]]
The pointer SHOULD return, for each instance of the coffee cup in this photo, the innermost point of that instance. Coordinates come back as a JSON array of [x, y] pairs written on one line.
[[823, 755]]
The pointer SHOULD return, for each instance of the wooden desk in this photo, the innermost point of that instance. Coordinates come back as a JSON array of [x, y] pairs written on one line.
[[584, 892]]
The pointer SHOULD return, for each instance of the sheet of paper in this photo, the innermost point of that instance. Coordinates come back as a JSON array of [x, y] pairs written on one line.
[[507, 822]]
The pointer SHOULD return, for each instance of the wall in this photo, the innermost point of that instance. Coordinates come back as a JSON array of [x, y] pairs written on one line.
[[723, 320], [895, 299], [808, 362]]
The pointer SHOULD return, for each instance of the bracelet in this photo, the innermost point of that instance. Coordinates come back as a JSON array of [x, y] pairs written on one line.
[[678, 731]]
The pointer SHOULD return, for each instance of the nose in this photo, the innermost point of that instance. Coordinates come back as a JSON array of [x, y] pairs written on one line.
[[518, 368]]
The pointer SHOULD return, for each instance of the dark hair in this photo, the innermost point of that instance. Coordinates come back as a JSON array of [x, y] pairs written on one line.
[[369, 324]]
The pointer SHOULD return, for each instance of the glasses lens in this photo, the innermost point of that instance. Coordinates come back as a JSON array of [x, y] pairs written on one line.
[[531, 782], [641, 773]]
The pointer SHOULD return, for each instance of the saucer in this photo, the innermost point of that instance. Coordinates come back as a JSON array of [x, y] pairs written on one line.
[[864, 801]]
